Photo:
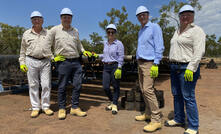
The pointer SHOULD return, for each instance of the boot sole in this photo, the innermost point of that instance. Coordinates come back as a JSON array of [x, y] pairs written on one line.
[[152, 131], [177, 125], [62, 118], [142, 120], [77, 115]]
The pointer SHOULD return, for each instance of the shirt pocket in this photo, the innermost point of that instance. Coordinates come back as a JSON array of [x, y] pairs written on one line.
[[186, 39], [31, 43]]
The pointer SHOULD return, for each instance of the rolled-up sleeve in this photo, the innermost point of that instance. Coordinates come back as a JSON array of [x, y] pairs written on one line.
[[158, 43]]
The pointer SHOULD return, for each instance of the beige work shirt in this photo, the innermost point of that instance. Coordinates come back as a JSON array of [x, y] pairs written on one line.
[[189, 46], [65, 42], [33, 45]]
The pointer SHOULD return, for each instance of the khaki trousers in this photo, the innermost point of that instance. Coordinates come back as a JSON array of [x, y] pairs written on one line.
[[146, 86]]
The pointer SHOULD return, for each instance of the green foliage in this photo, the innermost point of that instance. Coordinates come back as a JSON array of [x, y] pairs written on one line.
[[213, 47], [10, 39], [126, 30], [169, 12]]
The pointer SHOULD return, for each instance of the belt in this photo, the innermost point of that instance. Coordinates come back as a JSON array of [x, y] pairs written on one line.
[[72, 59], [110, 63], [143, 60], [178, 63], [36, 58]]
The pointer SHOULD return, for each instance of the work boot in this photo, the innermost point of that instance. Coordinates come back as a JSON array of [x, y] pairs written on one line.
[[61, 114], [191, 131], [48, 111], [142, 117], [34, 113], [152, 127], [114, 109], [109, 107], [77, 112], [173, 123]]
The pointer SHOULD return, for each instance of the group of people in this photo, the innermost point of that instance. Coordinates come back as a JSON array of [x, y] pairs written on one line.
[[186, 51]]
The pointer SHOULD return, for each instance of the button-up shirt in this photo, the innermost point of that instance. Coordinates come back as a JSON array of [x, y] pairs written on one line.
[[150, 43], [65, 42], [113, 52], [188, 46], [33, 45]]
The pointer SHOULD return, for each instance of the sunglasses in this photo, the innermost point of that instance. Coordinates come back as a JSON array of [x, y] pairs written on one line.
[[111, 32]]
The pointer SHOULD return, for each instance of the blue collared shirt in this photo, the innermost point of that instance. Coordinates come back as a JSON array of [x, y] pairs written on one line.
[[113, 52], [150, 43]]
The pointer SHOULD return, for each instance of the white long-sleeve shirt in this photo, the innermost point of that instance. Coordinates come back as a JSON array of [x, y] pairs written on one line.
[[189, 46]]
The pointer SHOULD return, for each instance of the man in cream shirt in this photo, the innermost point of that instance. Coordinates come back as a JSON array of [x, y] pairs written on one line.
[[67, 48], [35, 60]]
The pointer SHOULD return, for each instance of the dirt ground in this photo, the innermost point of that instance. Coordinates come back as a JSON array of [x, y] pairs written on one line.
[[15, 117]]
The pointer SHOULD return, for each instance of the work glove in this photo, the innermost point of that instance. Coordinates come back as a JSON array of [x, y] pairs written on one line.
[[95, 55], [154, 71], [87, 53], [117, 73], [24, 68], [188, 75], [59, 58]]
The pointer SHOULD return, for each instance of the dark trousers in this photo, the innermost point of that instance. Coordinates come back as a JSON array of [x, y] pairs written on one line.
[[108, 77], [69, 70], [184, 95]]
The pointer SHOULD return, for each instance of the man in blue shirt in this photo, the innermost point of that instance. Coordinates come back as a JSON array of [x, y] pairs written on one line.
[[149, 53]]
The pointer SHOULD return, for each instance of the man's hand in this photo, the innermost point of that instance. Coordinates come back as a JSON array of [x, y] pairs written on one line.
[[154, 71], [87, 53], [95, 55], [117, 74], [59, 58], [188, 75], [24, 68]]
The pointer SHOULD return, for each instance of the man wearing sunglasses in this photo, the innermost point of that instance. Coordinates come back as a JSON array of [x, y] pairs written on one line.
[[149, 53]]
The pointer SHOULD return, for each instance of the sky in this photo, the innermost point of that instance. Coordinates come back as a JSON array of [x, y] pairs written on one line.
[[88, 13]]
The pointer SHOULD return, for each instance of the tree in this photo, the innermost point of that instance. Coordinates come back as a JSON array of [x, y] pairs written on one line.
[[126, 30], [10, 38], [97, 43], [168, 13]]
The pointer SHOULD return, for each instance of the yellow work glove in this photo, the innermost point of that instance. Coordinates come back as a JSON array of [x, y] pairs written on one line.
[[59, 58], [24, 68], [95, 55], [188, 75], [117, 73], [154, 71], [87, 53]]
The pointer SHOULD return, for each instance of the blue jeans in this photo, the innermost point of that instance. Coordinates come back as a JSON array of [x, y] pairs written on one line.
[[184, 93], [69, 70], [108, 77]]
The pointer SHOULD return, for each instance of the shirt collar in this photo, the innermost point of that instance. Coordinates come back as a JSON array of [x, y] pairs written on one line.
[[114, 42], [42, 31], [70, 29]]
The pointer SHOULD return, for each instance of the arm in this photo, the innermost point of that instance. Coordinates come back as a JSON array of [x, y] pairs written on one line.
[[22, 51], [120, 52], [199, 41], [49, 42], [158, 44]]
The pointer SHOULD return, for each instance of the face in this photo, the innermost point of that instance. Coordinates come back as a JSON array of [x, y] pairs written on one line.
[[111, 34], [186, 18], [37, 21], [143, 18], [66, 20]]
